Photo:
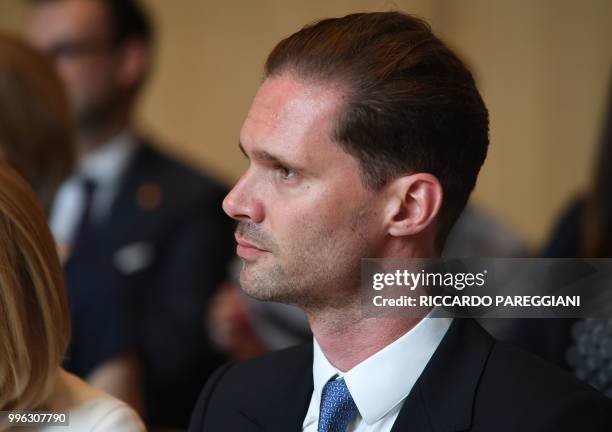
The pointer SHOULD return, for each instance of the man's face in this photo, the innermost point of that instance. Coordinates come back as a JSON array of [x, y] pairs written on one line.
[[305, 218], [77, 35]]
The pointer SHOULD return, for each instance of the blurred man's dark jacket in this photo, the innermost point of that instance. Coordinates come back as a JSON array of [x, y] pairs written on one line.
[[165, 244]]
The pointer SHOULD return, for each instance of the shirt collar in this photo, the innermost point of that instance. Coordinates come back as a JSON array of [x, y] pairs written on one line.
[[382, 381], [107, 163]]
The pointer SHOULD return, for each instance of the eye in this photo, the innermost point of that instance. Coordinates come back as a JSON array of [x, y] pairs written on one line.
[[286, 173]]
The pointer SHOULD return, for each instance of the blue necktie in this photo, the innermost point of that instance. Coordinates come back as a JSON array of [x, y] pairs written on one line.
[[337, 407], [84, 237]]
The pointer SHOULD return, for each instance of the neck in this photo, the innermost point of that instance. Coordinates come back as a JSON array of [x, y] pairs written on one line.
[[91, 138], [347, 338]]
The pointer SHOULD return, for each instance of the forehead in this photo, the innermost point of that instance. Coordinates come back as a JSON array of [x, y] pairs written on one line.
[[60, 20], [289, 114]]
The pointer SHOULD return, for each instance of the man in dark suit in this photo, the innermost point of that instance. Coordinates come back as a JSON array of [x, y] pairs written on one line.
[[365, 140], [144, 237]]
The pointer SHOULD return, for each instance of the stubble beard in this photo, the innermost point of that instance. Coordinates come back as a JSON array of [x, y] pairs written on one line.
[[97, 115], [316, 277]]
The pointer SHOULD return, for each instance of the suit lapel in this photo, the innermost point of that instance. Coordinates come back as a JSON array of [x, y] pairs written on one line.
[[285, 399], [413, 416], [442, 398], [124, 206]]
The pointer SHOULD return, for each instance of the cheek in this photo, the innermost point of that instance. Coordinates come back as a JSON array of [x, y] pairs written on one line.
[[318, 216], [86, 74], [313, 226], [70, 71], [295, 226], [79, 79]]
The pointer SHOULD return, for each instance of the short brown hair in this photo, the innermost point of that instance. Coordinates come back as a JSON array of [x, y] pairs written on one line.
[[34, 314], [412, 104], [128, 19], [36, 127]]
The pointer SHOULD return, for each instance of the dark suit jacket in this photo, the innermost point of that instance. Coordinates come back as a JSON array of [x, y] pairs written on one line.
[[472, 383], [166, 244]]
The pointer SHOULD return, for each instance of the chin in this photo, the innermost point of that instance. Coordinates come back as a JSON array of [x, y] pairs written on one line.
[[265, 290], [254, 286]]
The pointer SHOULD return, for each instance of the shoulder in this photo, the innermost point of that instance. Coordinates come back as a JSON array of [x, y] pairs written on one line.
[[483, 384], [180, 194], [172, 173], [105, 414], [90, 409], [249, 389], [534, 392], [521, 370], [263, 371]]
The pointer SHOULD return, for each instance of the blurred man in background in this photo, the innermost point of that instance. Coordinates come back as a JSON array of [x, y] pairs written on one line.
[[130, 217]]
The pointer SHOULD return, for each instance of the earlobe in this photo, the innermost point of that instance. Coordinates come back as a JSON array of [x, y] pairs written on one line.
[[414, 205]]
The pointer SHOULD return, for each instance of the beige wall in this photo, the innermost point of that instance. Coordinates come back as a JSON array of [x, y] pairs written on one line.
[[543, 68]]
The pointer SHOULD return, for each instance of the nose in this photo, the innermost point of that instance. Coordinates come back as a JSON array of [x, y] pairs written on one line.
[[241, 202]]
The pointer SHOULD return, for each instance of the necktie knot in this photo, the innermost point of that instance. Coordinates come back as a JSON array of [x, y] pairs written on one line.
[[337, 407]]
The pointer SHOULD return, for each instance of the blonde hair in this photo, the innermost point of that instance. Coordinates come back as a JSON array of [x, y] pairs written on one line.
[[36, 128], [34, 314]]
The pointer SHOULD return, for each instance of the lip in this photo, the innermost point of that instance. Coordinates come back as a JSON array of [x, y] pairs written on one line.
[[248, 250]]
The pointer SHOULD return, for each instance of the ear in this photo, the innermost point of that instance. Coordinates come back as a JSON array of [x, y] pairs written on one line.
[[134, 62], [414, 203]]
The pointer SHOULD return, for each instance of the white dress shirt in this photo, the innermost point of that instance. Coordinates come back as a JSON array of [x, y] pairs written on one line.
[[380, 384], [106, 166]]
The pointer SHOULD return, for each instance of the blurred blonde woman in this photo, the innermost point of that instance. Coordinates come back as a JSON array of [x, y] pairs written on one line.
[[35, 324], [37, 139], [36, 131]]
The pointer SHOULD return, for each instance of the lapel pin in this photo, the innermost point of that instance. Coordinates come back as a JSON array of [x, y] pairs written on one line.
[[149, 196]]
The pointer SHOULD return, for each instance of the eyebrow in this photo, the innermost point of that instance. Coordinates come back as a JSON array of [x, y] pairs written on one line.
[[262, 155]]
